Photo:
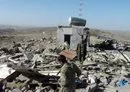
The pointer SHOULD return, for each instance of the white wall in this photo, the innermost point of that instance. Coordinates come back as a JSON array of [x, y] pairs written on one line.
[[75, 38]]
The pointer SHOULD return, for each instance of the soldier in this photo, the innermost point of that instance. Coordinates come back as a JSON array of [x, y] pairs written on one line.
[[68, 73], [81, 50]]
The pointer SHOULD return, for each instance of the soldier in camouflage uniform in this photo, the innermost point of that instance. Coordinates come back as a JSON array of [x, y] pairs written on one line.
[[67, 75]]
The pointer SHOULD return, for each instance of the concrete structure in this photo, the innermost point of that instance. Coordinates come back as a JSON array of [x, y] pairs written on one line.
[[70, 34]]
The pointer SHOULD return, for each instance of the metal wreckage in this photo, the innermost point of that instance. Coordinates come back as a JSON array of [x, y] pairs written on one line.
[[105, 68]]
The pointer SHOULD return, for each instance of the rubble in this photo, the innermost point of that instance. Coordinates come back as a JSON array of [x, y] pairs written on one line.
[[32, 66]]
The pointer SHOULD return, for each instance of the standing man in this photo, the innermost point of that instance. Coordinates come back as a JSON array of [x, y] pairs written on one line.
[[68, 73]]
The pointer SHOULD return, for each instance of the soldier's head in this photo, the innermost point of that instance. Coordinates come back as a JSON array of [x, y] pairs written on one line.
[[62, 59]]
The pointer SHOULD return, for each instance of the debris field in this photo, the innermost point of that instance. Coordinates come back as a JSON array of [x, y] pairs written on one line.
[[32, 66]]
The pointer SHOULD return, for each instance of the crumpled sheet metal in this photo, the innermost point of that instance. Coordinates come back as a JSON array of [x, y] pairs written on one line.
[[68, 54]]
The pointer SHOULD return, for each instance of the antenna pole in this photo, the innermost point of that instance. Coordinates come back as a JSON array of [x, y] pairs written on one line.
[[81, 8]]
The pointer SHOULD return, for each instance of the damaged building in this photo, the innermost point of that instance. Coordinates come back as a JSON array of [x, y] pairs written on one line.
[[71, 34]]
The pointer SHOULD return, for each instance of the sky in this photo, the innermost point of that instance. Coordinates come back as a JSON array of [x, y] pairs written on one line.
[[100, 14]]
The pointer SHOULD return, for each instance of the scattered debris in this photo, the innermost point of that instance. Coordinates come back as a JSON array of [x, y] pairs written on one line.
[[32, 66]]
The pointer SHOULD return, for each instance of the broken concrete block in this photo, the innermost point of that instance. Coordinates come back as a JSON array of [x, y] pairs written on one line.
[[104, 80], [37, 57], [92, 88], [5, 71], [92, 79], [16, 90]]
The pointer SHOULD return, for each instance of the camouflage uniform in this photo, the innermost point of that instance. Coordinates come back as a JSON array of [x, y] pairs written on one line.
[[67, 77]]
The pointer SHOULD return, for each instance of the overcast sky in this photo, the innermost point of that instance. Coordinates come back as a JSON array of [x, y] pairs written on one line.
[[100, 14]]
